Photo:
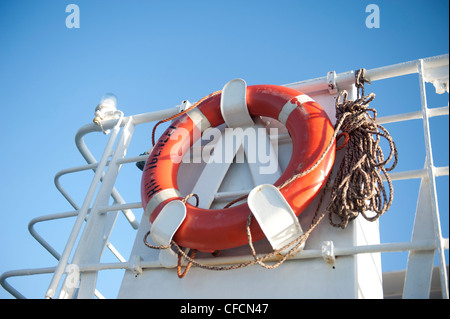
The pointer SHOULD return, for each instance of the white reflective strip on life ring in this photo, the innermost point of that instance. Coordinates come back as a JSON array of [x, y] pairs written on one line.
[[159, 197], [290, 106], [199, 119]]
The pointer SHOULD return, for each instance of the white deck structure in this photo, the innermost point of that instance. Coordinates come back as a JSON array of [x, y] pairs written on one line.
[[335, 263]]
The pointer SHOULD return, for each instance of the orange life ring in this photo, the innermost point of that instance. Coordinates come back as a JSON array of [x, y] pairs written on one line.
[[216, 229]]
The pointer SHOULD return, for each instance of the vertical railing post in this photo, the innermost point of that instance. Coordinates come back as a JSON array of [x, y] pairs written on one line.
[[100, 224], [427, 223], [82, 213]]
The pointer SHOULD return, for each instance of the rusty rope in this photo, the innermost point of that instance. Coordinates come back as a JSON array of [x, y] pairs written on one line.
[[188, 266]]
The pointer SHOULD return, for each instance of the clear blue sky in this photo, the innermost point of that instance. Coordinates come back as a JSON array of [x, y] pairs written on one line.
[[152, 55]]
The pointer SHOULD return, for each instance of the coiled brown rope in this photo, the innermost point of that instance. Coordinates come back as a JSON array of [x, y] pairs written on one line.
[[358, 187]]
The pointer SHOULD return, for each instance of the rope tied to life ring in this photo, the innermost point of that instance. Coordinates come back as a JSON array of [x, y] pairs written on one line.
[[193, 253], [357, 188]]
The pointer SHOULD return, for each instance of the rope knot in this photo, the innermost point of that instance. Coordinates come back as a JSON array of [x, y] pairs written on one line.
[[354, 114]]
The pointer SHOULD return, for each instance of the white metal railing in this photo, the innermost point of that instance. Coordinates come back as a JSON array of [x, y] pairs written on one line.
[[112, 159]]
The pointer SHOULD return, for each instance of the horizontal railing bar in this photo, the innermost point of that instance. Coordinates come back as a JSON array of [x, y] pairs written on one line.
[[432, 112], [305, 254], [441, 171], [120, 207], [348, 78], [412, 174], [438, 111], [339, 251], [418, 173], [133, 159]]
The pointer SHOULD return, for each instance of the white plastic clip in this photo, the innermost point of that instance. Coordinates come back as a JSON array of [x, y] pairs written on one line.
[[331, 82], [136, 265], [184, 105], [274, 215], [164, 227], [233, 104], [328, 252]]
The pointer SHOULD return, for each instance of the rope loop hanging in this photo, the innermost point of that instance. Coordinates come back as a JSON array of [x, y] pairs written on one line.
[[359, 187]]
